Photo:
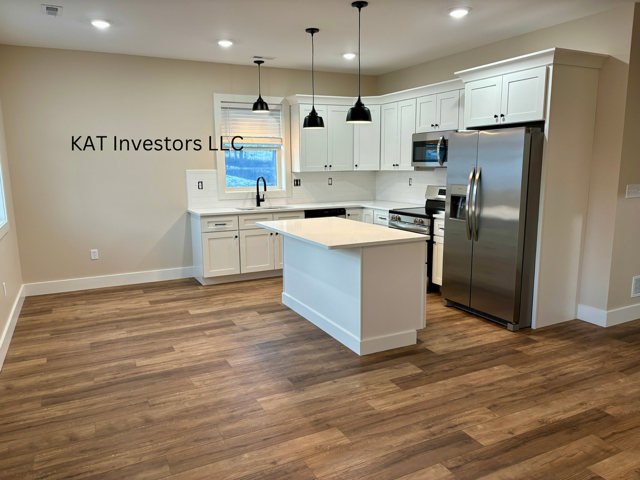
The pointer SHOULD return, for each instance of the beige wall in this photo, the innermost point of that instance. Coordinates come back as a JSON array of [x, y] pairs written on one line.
[[130, 206], [9, 257], [626, 247], [606, 32]]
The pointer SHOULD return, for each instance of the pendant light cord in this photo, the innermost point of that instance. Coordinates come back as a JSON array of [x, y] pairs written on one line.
[[313, 86], [359, 35], [259, 82]]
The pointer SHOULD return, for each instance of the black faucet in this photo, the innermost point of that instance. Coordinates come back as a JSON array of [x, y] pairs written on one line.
[[258, 199]]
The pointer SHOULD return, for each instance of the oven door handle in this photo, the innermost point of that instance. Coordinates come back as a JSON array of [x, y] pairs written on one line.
[[468, 202], [440, 160]]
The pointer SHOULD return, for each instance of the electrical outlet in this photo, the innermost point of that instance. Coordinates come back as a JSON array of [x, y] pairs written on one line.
[[4, 288], [297, 182], [410, 181], [200, 185], [633, 191], [94, 254], [635, 286], [330, 181]]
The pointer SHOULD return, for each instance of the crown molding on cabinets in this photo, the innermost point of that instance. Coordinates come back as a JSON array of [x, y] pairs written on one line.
[[400, 96], [552, 56]]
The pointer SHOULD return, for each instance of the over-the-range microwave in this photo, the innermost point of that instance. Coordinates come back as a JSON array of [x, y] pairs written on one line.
[[429, 150]]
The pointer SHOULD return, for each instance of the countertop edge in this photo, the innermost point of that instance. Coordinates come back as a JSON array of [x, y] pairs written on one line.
[[295, 208]]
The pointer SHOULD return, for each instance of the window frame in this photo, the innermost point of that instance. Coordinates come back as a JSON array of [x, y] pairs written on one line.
[[4, 227], [284, 156]]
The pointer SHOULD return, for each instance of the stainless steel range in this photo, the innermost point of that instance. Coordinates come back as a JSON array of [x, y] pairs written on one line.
[[421, 220]]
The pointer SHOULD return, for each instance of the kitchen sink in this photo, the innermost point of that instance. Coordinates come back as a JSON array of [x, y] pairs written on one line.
[[263, 208]]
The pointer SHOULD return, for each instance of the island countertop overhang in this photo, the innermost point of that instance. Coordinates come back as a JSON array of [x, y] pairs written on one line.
[[334, 233]]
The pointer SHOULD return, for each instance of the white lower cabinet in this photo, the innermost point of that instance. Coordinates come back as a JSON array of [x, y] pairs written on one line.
[[354, 214], [220, 254], [367, 215], [438, 260], [256, 251]]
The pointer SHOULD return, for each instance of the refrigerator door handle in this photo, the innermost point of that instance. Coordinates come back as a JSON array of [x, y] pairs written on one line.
[[468, 203], [476, 187], [438, 150]]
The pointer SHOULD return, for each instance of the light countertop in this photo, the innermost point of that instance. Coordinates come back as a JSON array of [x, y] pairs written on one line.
[[373, 204], [334, 233]]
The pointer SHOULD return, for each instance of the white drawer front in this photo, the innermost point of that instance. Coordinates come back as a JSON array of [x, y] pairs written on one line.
[[248, 222], [288, 216], [219, 224], [381, 218], [438, 227]]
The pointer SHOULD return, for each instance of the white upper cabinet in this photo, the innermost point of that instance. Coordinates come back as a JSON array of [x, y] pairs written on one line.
[[438, 112], [340, 139], [407, 127], [523, 95], [483, 99], [366, 144], [426, 114], [389, 144], [309, 147], [512, 98], [447, 112]]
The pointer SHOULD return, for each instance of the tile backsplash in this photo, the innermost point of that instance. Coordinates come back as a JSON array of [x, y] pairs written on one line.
[[346, 186], [202, 187], [394, 186]]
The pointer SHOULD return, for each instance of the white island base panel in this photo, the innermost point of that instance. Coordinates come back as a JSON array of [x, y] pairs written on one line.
[[370, 299]]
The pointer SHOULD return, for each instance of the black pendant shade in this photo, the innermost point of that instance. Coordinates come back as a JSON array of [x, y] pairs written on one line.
[[260, 106], [313, 120], [359, 113]]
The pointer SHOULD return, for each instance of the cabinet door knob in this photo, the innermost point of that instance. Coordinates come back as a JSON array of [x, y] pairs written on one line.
[[502, 114], [356, 166], [432, 125], [329, 166], [326, 166], [495, 116], [276, 234], [236, 236], [271, 233]]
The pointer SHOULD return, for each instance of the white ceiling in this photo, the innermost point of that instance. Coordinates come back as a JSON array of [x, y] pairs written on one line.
[[396, 33]]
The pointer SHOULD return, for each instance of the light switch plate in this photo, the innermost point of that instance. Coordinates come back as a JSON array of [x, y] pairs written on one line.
[[633, 191]]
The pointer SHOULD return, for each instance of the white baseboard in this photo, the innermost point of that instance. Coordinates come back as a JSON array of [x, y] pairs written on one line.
[[117, 280], [608, 318], [7, 334], [361, 347]]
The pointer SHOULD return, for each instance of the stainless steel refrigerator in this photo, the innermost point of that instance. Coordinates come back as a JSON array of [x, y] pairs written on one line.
[[491, 222]]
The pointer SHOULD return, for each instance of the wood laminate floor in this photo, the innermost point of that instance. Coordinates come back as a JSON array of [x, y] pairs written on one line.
[[175, 380]]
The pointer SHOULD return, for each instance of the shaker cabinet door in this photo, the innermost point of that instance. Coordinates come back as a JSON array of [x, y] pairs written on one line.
[[220, 254], [483, 99], [523, 96], [256, 251]]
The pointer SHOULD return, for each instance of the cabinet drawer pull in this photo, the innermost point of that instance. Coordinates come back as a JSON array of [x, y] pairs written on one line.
[[221, 224]]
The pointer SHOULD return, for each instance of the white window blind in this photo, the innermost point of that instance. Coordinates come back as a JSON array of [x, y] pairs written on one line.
[[256, 128]]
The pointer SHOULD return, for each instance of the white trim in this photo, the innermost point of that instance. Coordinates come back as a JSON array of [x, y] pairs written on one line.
[[592, 315], [609, 318], [551, 56], [364, 347], [287, 184], [117, 280], [7, 334]]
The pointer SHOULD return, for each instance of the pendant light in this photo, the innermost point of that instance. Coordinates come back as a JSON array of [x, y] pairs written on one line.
[[313, 120], [260, 106], [359, 113]]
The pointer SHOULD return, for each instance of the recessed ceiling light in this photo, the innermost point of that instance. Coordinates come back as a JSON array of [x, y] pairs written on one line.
[[225, 43], [98, 23], [349, 56], [459, 12]]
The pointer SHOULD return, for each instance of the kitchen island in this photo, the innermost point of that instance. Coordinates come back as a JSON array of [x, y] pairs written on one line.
[[363, 284]]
